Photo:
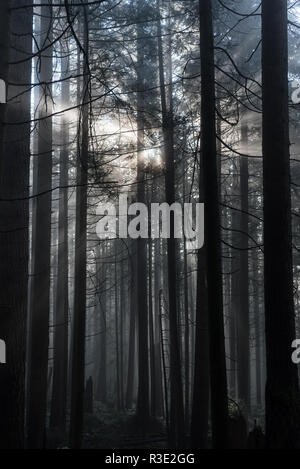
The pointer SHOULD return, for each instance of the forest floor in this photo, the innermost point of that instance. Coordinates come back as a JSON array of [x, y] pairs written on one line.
[[109, 429]]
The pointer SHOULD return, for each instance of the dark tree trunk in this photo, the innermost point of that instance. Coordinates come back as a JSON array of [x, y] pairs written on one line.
[[200, 411], [132, 332], [243, 348], [282, 392], [79, 314], [151, 334], [143, 404], [186, 329], [117, 342], [101, 365], [40, 295], [4, 58], [14, 219], [257, 327], [177, 433], [61, 319], [158, 357], [122, 308], [219, 404], [234, 301]]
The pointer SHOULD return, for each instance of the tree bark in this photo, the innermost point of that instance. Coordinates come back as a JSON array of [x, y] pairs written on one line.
[[40, 295], [79, 312], [14, 216], [143, 404], [282, 391], [219, 404], [177, 433], [5, 39], [243, 348], [61, 320]]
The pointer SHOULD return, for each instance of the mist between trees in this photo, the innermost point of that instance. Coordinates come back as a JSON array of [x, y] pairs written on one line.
[[149, 342]]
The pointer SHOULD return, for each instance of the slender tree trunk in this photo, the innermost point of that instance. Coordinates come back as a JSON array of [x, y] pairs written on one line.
[[143, 404], [101, 362], [200, 411], [176, 394], [14, 219], [122, 307], [158, 357], [234, 300], [219, 403], [164, 368], [60, 364], [186, 329], [243, 348], [117, 351], [79, 314], [257, 327], [132, 333], [5, 39], [40, 296], [151, 334], [282, 391]]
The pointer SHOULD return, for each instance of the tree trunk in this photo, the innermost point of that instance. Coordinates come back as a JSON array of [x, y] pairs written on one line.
[[101, 365], [186, 328], [117, 349], [243, 348], [61, 320], [151, 334], [143, 405], [200, 411], [257, 327], [177, 434], [282, 391], [132, 332], [14, 216], [234, 300], [5, 39], [79, 314], [40, 295], [219, 404]]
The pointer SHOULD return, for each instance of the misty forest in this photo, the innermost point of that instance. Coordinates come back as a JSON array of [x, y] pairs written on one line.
[[144, 342]]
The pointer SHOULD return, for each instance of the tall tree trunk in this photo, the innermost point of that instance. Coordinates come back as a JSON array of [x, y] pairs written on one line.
[[122, 316], [282, 391], [257, 327], [243, 348], [79, 312], [158, 357], [186, 327], [234, 300], [200, 411], [101, 365], [151, 333], [132, 331], [14, 216], [219, 401], [177, 433], [5, 39], [117, 349], [61, 319], [39, 321], [143, 404]]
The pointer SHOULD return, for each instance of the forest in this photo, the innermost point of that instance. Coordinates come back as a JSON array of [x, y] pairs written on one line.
[[131, 334]]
